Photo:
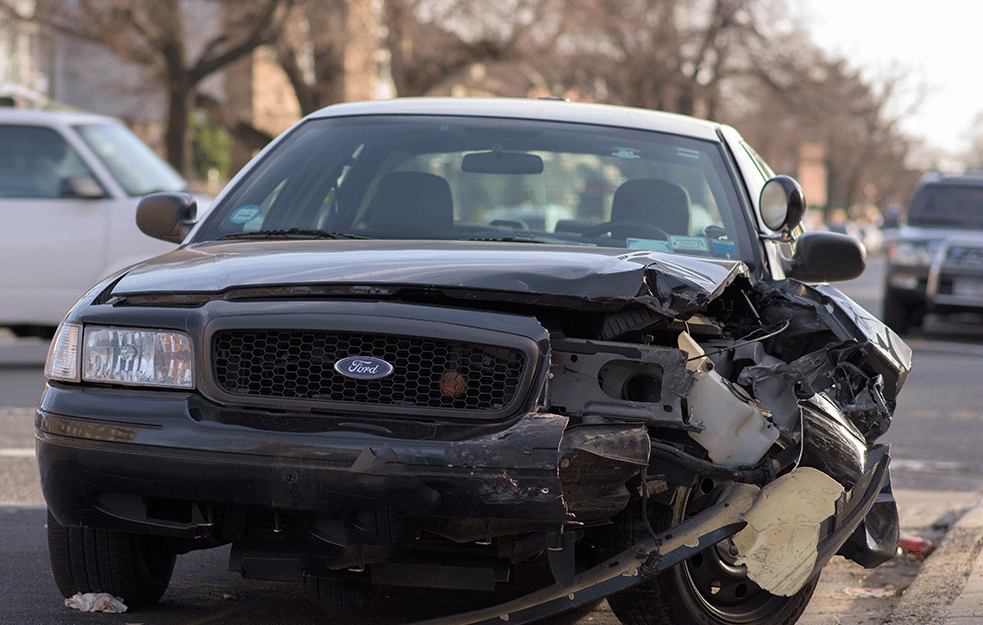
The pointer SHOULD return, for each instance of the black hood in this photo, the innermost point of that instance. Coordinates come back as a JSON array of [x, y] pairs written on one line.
[[671, 284]]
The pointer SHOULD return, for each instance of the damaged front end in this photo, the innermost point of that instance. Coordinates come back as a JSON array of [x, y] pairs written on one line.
[[761, 407]]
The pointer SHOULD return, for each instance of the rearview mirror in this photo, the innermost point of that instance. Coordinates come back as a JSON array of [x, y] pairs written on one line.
[[499, 162]]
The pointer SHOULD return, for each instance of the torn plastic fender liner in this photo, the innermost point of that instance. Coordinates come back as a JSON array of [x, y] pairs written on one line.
[[784, 546]]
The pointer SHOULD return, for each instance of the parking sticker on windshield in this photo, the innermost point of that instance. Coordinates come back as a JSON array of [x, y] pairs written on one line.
[[245, 214], [688, 244], [725, 247], [625, 153]]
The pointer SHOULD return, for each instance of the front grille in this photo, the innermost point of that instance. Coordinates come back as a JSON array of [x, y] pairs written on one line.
[[298, 365], [964, 257]]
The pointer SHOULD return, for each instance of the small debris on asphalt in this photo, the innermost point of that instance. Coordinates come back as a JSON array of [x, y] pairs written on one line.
[[887, 591], [916, 546], [96, 602]]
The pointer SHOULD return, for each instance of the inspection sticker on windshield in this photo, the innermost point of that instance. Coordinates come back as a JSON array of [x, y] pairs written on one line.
[[654, 245], [245, 214], [688, 244], [625, 153]]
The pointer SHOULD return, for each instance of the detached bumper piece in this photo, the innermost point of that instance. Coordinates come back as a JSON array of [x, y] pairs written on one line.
[[646, 559]]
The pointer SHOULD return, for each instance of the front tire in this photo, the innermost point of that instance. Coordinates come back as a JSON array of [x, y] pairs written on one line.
[[133, 567], [900, 314], [706, 589]]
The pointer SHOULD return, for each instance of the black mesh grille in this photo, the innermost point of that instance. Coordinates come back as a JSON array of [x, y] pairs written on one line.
[[428, 373]]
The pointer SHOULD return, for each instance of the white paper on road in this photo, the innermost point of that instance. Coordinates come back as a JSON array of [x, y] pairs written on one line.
[[96, 602]]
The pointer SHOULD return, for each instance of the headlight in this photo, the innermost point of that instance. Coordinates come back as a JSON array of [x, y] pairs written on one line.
[[913, 253], [122, 356]]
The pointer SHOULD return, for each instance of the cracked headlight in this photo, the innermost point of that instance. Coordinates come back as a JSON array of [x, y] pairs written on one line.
[[122, 356]]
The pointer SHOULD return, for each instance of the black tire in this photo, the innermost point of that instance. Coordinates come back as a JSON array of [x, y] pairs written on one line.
[[133, 567], [706, 589], [898, 314]]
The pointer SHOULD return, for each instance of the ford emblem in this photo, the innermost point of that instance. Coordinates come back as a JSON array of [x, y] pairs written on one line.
[[363, 367]]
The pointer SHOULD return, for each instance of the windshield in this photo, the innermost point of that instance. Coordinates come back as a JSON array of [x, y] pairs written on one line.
[[491, 179], [947, 205], [136, 167]]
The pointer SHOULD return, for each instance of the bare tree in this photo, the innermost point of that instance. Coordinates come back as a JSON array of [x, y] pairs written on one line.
[[430, 45], [154, 34], [801, 95]]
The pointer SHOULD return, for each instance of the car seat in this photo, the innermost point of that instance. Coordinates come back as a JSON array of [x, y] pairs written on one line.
[[413, 202], [662, 204]]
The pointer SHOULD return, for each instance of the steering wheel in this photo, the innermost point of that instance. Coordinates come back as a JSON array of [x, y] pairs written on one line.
[[643, 227]]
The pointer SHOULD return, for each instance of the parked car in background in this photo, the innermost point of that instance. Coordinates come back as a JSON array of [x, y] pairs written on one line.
[[69, 187], [935, 259], [405, 348]]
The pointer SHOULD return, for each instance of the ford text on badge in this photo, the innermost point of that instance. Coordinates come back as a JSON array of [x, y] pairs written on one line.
[[363, 367]]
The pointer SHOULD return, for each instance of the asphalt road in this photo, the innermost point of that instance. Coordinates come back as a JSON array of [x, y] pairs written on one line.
[[937, 474]]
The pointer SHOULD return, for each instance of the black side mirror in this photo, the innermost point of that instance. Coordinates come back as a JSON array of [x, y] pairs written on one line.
[[826, 257], [167, 216], [782, 203]]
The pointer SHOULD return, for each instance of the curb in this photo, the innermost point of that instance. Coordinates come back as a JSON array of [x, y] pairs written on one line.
[[949, 588]]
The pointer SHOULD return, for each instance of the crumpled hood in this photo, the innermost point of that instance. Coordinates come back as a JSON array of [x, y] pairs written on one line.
[[671, 284]]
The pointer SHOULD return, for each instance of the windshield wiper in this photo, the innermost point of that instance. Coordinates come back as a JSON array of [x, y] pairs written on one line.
[[290, 233]]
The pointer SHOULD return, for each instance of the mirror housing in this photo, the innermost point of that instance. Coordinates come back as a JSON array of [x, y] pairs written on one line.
[[782, 203], [826, 257], [499, 162], [167, 216]]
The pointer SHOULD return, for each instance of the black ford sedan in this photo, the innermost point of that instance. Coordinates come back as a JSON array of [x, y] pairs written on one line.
[[456, 344]]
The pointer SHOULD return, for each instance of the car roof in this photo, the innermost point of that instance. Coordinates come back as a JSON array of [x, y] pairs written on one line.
[[543, 109], [48, 117], [973, 179]]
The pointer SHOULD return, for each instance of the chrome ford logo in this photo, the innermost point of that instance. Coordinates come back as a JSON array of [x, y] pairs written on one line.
[[363, 367]]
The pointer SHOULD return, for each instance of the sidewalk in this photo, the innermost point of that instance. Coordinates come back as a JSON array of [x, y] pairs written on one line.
[[949, 587]]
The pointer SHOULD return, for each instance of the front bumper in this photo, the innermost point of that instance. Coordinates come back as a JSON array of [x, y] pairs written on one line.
[[164, 464]]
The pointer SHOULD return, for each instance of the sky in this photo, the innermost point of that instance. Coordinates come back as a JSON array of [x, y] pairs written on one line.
[[938, 42]]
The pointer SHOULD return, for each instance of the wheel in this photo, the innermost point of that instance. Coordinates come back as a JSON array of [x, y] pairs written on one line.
[[898, 314], [625, 226], [708, 588], [133, 567]]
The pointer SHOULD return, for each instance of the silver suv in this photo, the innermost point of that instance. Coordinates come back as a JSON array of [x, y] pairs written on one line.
[[935, 260]]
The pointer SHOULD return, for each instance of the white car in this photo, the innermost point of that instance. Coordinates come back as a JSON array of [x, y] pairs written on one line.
[[69, 187]]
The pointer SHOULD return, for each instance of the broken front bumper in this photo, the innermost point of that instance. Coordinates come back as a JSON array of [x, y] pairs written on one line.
[[157, 463], [645, 560]]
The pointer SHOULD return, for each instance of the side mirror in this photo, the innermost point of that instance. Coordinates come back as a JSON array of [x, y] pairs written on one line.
[[167, 216], [826, 257], [782, 203], [83, 187]]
